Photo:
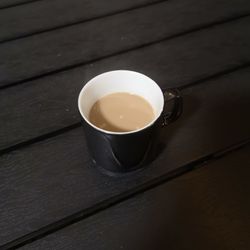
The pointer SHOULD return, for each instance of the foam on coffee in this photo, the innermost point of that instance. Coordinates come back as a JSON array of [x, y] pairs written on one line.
[[121, 112]]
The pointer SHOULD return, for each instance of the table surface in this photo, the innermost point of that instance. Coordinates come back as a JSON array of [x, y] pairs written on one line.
[[194, 195]]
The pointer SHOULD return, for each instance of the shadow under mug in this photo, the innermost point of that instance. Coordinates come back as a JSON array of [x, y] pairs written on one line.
[[116, 153]]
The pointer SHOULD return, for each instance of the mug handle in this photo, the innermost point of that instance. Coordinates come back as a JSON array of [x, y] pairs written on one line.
[[172, 95]]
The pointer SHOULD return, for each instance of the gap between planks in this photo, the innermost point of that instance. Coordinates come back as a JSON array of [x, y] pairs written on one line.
[[76, 65], [78, 124], [18, 4], [80, 21], [76, 217]]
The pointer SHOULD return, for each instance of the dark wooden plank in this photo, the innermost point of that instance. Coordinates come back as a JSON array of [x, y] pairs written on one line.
[[172, 63], [13, 3], [33, 179], [49, 14], [51, 51], [205, 209]]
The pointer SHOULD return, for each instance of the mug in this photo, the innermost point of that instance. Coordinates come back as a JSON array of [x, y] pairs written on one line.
[[117, 153]]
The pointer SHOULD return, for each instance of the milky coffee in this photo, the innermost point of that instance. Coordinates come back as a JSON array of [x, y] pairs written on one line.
[[121, 112]]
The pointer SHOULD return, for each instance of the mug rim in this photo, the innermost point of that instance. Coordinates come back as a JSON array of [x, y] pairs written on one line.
[[113, 132]]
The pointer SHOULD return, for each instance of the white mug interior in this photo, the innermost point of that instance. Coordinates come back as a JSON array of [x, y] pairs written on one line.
[[120, 81]]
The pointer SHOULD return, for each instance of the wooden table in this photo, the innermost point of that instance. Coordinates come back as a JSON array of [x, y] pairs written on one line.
[[195, 195]]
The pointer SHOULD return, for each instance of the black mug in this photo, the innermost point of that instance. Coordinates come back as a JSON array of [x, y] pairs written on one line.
[[117, 153]]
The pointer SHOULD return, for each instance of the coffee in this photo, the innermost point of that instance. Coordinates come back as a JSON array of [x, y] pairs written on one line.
[[121, 112]]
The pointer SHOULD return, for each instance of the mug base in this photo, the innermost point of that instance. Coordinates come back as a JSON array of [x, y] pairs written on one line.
[[116, 174]]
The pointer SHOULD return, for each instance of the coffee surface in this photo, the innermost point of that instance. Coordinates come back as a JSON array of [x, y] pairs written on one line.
[[121, 112]]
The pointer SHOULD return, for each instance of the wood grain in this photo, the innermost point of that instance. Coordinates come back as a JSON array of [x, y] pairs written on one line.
[[63, 48], [205, 209], [52, 179], [49, 14], [172, 63]]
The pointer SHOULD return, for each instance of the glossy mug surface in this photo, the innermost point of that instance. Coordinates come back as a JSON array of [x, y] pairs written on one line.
[[122, 152]]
